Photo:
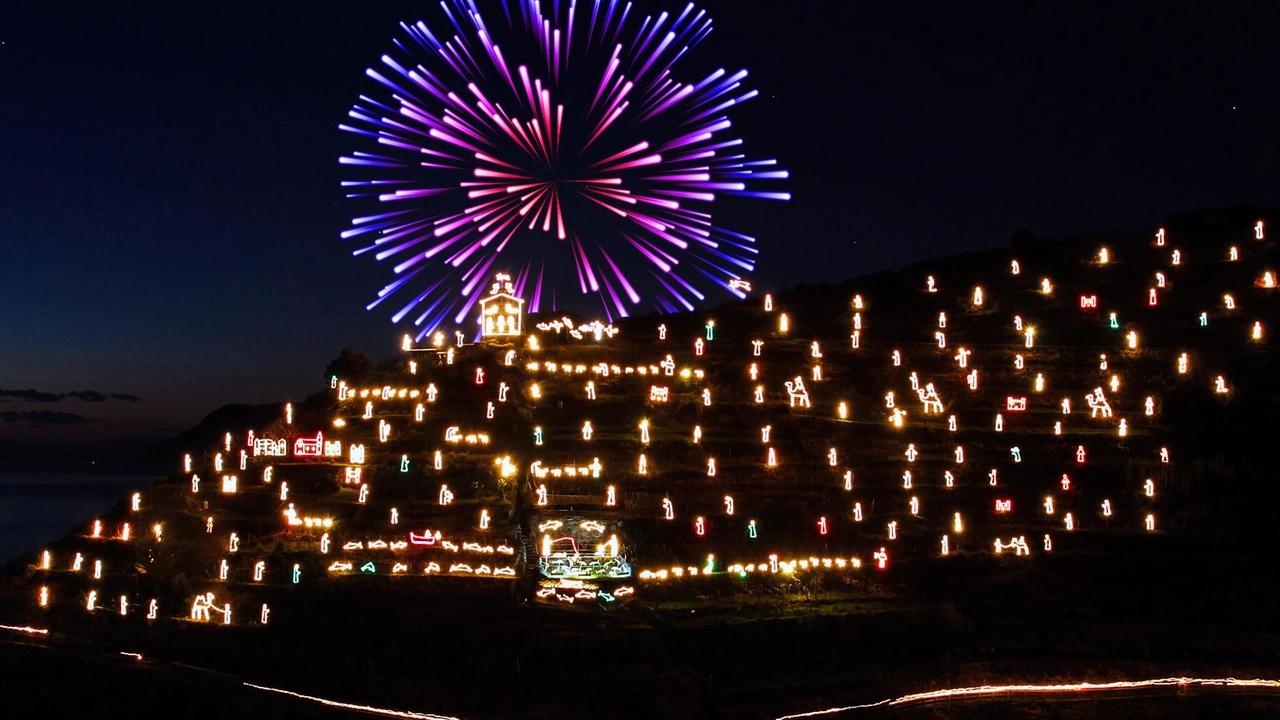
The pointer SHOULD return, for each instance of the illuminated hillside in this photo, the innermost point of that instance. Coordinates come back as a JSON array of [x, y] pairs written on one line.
[[1021, 403]]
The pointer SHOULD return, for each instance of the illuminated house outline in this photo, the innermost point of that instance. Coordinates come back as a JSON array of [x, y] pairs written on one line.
[[502, 313]]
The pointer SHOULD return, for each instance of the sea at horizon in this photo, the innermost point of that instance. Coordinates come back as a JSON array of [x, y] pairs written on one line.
[[39, 507]]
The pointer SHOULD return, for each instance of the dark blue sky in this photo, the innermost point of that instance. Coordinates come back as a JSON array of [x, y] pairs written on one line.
[[170, 209]]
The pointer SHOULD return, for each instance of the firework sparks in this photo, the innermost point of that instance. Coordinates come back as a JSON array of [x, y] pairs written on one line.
[[589, 168]]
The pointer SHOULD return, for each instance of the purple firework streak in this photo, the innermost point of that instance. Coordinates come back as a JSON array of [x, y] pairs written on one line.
[[606, 161]]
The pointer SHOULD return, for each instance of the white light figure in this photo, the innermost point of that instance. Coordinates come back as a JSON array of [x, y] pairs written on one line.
[[1045, 286], [906, 480], [783, 323], [284, 490], [711, 467], [233, 543], [999, 422], [1233, 254], [595, 467], [972, 379], [1097, 404], [898, 418], [445, 495], [771, 459], [97, 569], [893, 529], [186, 463], [1029, 334], [700, 526], [1014, 268], [125, 532], [1123, 429], [395, 516], [1159, 283], [915, 505], [668, 509], [951, 423], [258, 569], [949, 479], [217, 462], [854, 339], [1132, 338], [1229, 301], [857, 512], [977, 297], [642, 467], [1177, 257], [929, 396], [697, 347], [1048, 506], [941, 338], [1057, 427], [542, 495], [764, 433], [324, 545], [1080, 454], [364, 494], [897, 358], [77, 563], [384, 430], [587, 430], [537, 435], [1016, 452], [796, 392], [911, 453], [1160, 236], [888, 399], [484, 519], [97, 529], [843, 410], [1066, 482], [1257, 331], [208, 525], [882, 559], [931, 285], [1106, 508], [697, 434], [431, 392], [288, 413], [1257, 231], [1017, 323], [1152, 298], [223, 568], [1039, 382], [44, 596], [1149, 488], [993, 477], [1018, 362], [611, 496], [848, 480], [1220, 385]]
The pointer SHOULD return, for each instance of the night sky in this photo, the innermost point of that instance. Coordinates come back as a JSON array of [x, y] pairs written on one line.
[[170, 207]]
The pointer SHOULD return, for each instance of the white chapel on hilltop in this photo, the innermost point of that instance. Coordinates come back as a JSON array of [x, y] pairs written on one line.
[[501, 312]]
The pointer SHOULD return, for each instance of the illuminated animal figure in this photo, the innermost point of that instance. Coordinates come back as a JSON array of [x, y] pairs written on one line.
[[797, 393], [201, 606], [1098, 404], [929, 396]]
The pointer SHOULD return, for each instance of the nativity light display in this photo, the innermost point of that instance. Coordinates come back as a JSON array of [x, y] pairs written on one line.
[[602, 461]]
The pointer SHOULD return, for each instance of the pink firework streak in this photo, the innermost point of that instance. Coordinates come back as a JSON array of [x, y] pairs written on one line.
[[595, 175]]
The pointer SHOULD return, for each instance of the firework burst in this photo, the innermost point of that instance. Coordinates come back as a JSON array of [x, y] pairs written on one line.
[[589, 169]]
